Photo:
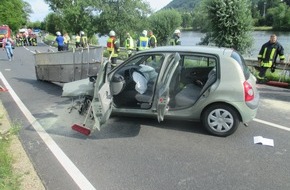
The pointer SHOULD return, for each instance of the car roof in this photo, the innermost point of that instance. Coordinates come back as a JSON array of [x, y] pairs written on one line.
[[196, 49]]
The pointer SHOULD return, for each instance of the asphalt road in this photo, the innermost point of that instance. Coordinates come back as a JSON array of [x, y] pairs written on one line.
[[141, 154]]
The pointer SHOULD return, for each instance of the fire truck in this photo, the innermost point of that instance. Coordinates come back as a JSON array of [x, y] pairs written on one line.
[[4, 29]]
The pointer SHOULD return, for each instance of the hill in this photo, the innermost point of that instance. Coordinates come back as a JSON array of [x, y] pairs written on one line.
[[184, 5]]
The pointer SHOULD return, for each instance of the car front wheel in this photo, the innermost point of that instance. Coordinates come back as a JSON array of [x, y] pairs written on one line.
[[220, 120]]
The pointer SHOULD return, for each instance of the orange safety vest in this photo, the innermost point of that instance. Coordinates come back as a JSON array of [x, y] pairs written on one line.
[[111, 46]]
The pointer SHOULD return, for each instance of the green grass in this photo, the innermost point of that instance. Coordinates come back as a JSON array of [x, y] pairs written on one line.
[[263, 28], [8, 179], [278, 75]]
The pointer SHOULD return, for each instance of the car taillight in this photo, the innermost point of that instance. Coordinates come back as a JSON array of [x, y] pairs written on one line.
[[249, 92]]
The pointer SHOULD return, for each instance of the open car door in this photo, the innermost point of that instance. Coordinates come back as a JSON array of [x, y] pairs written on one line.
[[102, 100], [163, 91]]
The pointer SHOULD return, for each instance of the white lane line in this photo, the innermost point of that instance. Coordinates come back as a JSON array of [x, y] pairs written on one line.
[[272, 124], [67, 164]]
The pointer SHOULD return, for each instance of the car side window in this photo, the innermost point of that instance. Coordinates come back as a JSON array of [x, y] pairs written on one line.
[[195, 68], [198, 61]]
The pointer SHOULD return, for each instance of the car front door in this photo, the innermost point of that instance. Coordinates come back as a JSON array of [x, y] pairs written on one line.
[[163, 90], [102, 100]]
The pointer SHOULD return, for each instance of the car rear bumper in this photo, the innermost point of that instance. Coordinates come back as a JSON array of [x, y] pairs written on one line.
[[247, 113]]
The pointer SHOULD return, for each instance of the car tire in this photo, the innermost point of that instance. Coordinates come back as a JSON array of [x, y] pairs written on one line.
[[220, 120]]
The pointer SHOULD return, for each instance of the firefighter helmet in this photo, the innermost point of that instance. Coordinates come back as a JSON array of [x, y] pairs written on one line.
[[112, 33]]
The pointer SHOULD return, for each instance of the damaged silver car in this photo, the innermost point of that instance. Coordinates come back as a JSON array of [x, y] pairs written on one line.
[[198, 83]]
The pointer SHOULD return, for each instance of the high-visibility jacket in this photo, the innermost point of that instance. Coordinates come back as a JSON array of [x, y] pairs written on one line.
[[129, 43], [113, 46], [152, 41], [84, 41], [78, 39], [175, 40], [142, 43], [269, 53]]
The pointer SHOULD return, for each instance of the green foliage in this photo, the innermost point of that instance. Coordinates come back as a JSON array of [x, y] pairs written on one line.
[[281, 16], [230, 24], [183, 5], [14, 13], [53, 25], [72, 16], [36, 24], [163, 23], [187, 19], [200, 18], [8, 180], [99, 16], [123, 16]]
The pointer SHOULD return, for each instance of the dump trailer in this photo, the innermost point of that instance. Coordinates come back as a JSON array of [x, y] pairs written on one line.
[[68, 66]]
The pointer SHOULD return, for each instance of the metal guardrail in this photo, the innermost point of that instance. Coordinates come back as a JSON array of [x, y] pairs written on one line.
[[252, 62]]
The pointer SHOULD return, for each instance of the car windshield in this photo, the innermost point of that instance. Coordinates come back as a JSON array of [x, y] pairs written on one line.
[[235, 55], [3, 31]]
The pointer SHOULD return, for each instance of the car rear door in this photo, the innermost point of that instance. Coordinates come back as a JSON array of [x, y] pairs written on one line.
[[163, 90], [102, 100]]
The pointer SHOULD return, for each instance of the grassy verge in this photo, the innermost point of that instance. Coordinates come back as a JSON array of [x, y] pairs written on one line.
[[8, 179], [263, 28], [279, 75]]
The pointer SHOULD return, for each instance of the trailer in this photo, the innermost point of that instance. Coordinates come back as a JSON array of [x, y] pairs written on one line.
[[68, 66]]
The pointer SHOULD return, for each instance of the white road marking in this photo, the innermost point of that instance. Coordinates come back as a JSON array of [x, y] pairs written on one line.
[[272, 124], [67, 164]]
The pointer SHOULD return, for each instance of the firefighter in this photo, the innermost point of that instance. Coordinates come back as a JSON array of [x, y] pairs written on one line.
[[113, 46], [78, 41], [268, 55], [84, 40], [66, 41], [152, 40], [143, 41], [175, 40], [18, 39], [129, 44], [33, 39]]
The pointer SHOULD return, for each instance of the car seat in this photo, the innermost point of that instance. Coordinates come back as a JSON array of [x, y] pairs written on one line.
[[145, 98], [191, 92]]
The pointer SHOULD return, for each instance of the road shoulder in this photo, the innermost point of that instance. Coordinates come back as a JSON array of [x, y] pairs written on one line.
[[21, 162]]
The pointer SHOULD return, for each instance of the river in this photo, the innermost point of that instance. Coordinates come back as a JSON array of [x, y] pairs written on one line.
[[259, 37]]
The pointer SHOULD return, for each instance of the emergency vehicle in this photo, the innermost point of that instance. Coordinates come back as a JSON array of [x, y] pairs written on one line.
[[4, 29]]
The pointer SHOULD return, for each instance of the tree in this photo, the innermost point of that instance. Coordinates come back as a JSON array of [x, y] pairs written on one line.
[[36, 24], [74, 16], [52, 21], [187, 19], [199, 21], [123, 16], [281, 16], [230, 24], [163, 23], [101, 16], [14, 16]]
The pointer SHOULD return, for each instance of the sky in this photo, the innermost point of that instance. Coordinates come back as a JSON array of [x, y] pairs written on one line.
[[40, 8]]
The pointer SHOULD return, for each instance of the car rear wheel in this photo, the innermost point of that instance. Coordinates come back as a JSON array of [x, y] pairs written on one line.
[[220, 120]]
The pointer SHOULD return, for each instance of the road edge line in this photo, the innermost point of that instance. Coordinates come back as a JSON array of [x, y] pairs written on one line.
[[63, 159], [272, 124]]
